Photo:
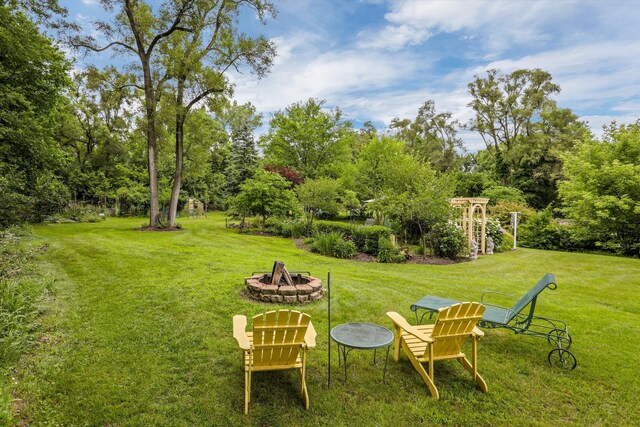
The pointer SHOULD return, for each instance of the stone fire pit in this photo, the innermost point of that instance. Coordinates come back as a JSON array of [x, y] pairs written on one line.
[[281, 286]]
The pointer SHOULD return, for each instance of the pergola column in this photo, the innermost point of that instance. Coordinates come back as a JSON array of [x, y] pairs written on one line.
[[469, 205]]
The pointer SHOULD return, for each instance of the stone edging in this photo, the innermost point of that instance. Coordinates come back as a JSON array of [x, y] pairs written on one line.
[[311, 291]]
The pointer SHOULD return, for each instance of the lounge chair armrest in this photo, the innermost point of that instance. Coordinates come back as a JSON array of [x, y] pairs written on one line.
[[401, 322], [310, 336], [496, 293], [239, 331]]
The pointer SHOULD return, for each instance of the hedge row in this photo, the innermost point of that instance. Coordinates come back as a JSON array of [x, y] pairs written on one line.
[[365, 238]]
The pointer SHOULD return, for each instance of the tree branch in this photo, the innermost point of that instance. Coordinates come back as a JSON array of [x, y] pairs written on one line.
[[175, 26], [202, 96], [101, 49]]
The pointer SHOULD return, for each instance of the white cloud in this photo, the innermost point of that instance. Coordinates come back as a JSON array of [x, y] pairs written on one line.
[[335, 75], [392, 37], [500, 24], [589, 75], [597, 122]]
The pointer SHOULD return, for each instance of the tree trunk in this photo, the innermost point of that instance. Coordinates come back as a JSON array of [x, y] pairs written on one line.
[[154, 207], [181, 115], [177, 178], [150, 109]]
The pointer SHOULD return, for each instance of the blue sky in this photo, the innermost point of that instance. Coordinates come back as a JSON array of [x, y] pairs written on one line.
[[378, 59]]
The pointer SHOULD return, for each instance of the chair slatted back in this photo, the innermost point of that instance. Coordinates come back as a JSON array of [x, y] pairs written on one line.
[[547, 281], [454, 326], [278, 337]]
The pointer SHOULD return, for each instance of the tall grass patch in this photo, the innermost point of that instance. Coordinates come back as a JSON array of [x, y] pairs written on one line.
[[20, 291]]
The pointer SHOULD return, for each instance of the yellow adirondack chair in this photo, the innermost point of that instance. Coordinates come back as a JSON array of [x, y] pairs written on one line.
[[441, 341], [279, 341]]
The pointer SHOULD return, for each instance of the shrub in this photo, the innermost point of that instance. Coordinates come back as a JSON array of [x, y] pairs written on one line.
[[343, 249], [345, 230], [499, 193], [301, 228], [274, 225], [447, 240], [542, 232], [502, 211], [365, 238], [387, 252], [368, 238], [494, 230], [324, 242]]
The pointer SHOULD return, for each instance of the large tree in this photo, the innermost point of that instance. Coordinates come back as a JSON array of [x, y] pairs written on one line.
[[602, 190], [537, 160], [431, 137], [308, 139], [94, 130], [199, 59], [33, 75], [137, 31], [243, 158], [505, 107]]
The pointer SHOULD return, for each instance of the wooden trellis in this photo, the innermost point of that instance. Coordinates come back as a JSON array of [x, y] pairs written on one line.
[[471, 208]]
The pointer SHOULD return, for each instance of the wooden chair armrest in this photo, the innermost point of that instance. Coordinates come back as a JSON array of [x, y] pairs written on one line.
[[401, 322], [477, 332], [239, 331], [310, 336]]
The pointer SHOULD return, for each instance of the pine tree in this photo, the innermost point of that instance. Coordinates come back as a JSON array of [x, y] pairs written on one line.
[[242, 160]]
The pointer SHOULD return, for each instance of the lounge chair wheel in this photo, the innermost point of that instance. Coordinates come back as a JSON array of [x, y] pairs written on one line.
[[559, 337], [562, 358]]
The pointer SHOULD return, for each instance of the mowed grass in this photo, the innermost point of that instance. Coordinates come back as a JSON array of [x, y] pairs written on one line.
[[138, 333]]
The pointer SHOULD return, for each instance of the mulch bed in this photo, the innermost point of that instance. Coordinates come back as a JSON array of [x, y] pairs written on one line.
[[414, 259]]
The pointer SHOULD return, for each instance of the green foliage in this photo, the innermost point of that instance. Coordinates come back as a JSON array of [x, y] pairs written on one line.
[[368, 238], [307, 138], [49, 196], [319, 196], [602, 190], [33, 74], [504, 107], [343, 249], [431, 137], [266, 194], [494, 230], [537, 158], [21, 288], [387, 252], [447, 240], [345, 230], [365, 239], [471, 184], [502, 211], [323, 242], [243, 157], [497, 194], [383, 165], [333, 244], [525, 132], [14, 205], [542, 232]]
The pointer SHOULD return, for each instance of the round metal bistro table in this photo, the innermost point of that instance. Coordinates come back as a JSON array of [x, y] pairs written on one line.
[[361, 336]]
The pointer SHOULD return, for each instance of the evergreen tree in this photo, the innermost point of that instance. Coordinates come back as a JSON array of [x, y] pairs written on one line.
[[243, 158]]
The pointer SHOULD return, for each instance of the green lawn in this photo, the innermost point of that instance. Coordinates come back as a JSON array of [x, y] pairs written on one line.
[[138, 332]]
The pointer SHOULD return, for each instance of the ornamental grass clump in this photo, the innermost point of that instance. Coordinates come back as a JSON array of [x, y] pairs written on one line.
[[387, 252]]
